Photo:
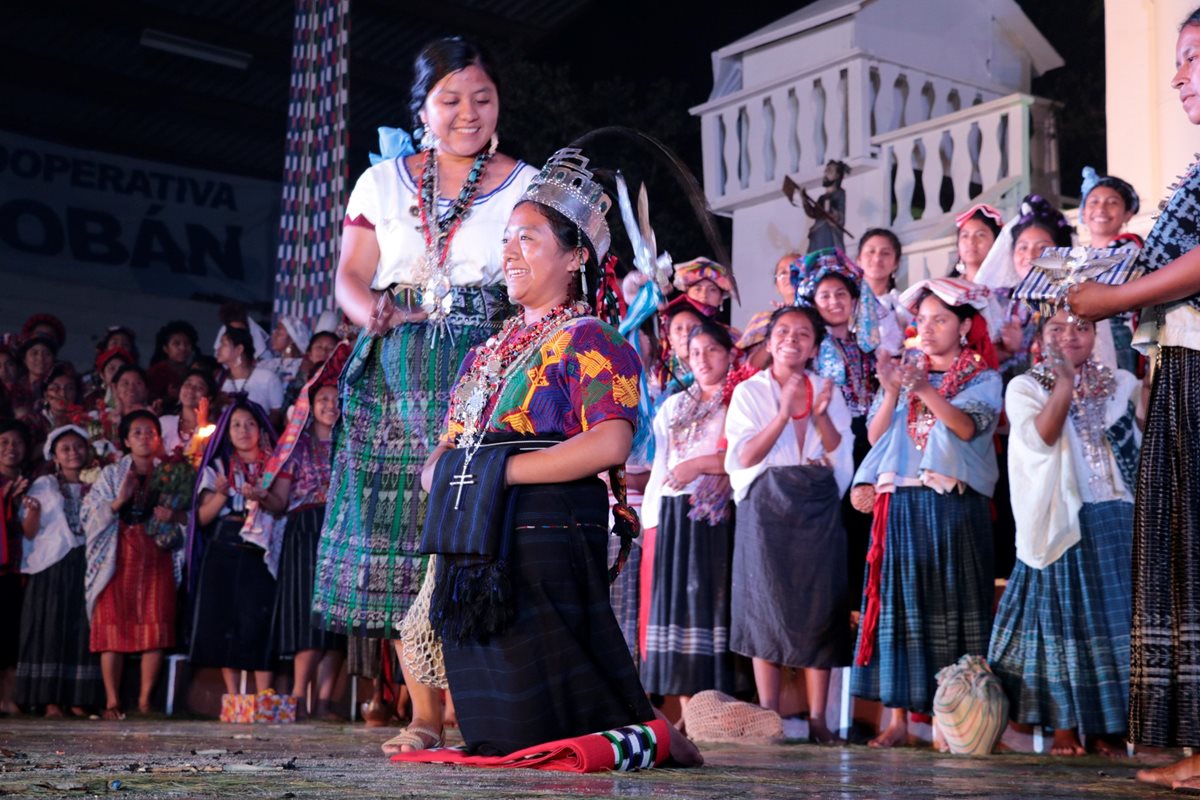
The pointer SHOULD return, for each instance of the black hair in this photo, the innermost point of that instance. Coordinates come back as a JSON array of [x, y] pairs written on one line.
[[813, 315], [233, 311], [132, 417], [22, 430], [1059, 234], [963, 312], [127, 369], [166, 332], [886, 233], [714, 330], [59, 370], [112, 331], [32, 342], [1121, 187], [330, 334], [849, 283], [569, 237], [992, 225], [240, 337], [438, 59], [205, 376], [1192, 19]]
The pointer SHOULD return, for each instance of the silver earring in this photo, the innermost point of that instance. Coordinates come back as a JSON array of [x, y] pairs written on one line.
[[962, 339], [494, 144]]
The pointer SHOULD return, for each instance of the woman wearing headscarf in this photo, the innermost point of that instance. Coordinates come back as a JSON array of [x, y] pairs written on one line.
[[57, 669]]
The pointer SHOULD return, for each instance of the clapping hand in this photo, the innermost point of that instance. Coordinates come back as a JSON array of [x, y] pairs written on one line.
[[821, 404], [793, 394], [14, 488]]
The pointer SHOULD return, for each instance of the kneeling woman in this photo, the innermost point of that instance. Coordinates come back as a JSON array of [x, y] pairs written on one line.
[[539, 656], [928, 598], [232, 584], [1061, 641], [789, 460], [687, 501]]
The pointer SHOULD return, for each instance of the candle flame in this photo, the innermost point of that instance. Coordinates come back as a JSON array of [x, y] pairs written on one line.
[[206, 431]]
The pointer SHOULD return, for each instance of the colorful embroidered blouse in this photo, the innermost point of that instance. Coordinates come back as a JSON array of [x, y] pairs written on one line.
[[308, 470], [583, 375]]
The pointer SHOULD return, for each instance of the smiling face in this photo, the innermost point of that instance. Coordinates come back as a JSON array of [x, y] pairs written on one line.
[[1104, 214], [131, 391], [1028, 246], [537, 268], [708, 359], [243, 430], [12, 450], [325, 405], [975, 239], [939, 329], [706, 292], [1187, 71], [793, 341], [192, 391], [70, 451], [834, 301], [1075, 338], [462, 110], [679, 328]]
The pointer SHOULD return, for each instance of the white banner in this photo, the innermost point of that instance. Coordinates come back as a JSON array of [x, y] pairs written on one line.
[[89, 218]]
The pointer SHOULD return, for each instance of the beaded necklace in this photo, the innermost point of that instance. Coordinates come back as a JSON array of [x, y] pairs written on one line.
[[690, 419], [72, 503], [1094, 384], [433, 276], [920, 419], [477, 391]]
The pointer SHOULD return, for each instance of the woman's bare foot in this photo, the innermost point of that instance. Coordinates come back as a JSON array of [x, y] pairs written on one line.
[[894, 735], [939, 738], [79, 711], [1179, 772], [54, 711], [376, 713], [1066, 743]]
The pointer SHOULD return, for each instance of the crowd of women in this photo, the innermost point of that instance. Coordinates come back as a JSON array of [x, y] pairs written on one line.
[[98, 534], [828, 487]]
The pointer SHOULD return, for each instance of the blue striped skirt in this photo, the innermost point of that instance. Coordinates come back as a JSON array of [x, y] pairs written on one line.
[[1060, 645], [936, 590]]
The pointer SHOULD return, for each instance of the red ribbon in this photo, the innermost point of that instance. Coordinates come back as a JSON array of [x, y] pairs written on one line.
[[870, 618]]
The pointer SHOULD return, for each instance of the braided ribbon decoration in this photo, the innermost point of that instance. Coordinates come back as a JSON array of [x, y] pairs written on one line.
[[625, 521]]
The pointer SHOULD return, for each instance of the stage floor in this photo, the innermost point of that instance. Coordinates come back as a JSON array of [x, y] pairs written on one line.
[[168, 758]]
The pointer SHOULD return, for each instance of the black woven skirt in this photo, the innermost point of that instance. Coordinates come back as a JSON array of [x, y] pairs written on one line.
[[789, 586], [1164, 697], [293, 628], [11, 593], [234, 604], [56, 663], [562, 668]]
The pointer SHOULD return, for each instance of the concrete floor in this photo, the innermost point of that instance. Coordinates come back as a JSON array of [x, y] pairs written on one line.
[[176, 759]]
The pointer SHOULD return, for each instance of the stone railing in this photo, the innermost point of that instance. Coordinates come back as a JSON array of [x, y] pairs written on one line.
[[995, 152], [754, 137]]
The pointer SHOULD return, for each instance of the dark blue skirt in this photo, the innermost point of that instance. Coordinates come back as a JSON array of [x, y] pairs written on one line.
[[936, 589], [562, 667], [1060, 645]]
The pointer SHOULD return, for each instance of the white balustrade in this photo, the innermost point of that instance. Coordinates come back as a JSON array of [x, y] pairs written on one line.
[[752, 138]]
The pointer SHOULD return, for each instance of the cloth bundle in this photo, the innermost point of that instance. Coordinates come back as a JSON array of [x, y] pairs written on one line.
[[626, 749], [265, 707], [970, 706]]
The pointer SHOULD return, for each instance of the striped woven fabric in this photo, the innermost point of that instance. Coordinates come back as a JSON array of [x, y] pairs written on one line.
[[315, 170], [1044, 289]]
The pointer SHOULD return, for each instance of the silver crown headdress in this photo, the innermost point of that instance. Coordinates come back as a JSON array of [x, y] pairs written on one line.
[[565, 184]]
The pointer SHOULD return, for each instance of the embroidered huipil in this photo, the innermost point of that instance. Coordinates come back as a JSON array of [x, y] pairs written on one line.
[[672, 447]]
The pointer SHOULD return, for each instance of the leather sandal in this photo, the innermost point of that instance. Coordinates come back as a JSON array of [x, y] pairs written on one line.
[[415, 736]]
